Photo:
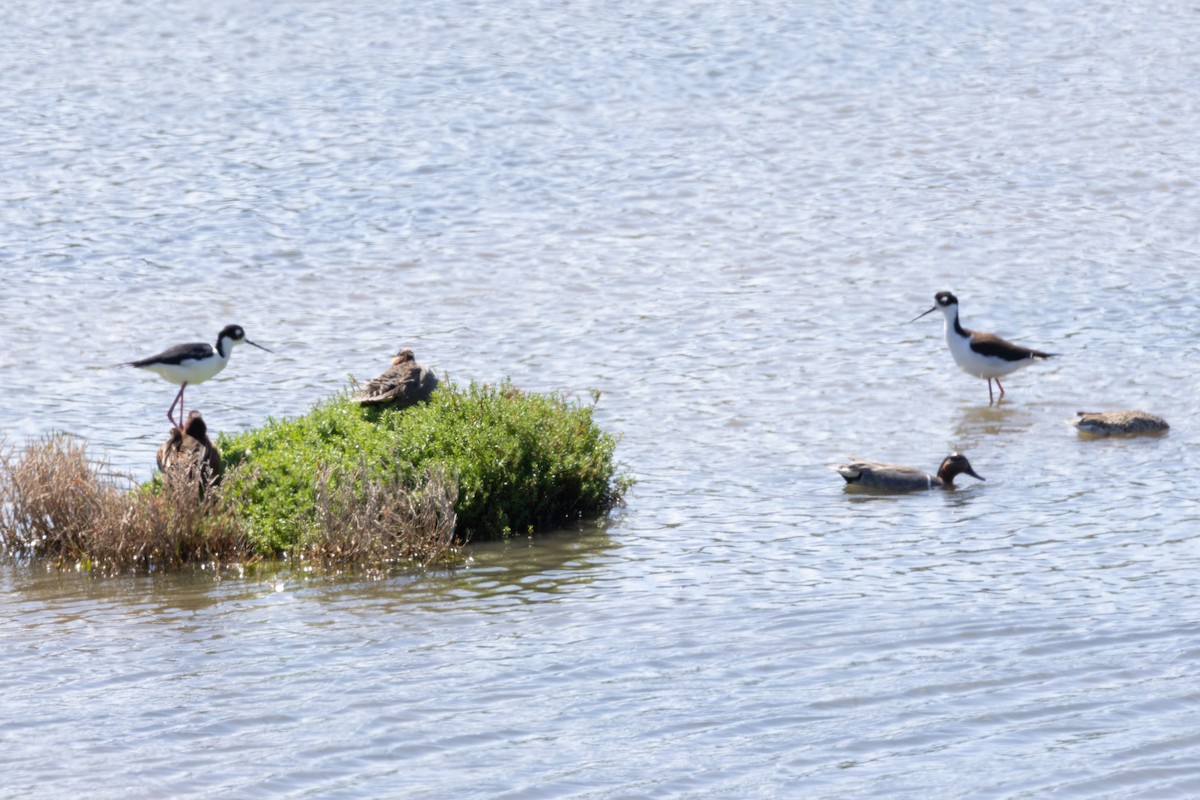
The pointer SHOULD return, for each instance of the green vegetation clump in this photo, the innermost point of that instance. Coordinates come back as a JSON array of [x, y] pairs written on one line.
[[342, 487], [517, 461]]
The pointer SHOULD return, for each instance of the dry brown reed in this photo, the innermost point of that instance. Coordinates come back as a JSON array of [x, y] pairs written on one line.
[[58, 504], [364, 521]]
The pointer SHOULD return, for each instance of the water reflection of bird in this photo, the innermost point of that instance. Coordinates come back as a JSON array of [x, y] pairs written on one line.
[[403, 384], [1118, 423], [196, 362], [877, 475], [190, 452], [984, 355]]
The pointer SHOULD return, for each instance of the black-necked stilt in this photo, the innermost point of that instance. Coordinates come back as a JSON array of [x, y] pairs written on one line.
[[403, 384], [876, 475], [1118, 423], [185, 364], [984, 355], [192, 451]]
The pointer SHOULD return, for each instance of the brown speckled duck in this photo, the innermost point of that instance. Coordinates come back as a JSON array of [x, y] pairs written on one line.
[[1118, 423], [189, 451], [877, 475], [403, 384]]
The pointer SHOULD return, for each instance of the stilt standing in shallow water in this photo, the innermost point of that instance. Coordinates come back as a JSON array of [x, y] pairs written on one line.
[[984, 355]]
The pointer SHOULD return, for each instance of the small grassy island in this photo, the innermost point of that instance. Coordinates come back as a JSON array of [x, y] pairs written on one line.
[[344, 486]]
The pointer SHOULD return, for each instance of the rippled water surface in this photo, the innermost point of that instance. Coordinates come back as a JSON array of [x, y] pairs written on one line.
[[722, 216]]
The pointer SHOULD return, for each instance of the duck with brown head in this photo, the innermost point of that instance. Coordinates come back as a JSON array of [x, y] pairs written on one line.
[[894, 477]]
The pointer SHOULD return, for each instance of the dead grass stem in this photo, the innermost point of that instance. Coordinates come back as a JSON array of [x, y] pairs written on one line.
[[58, 504], [367, 521]]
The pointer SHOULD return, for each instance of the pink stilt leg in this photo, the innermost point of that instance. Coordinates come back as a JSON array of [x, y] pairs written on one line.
[[990, 400], [178, 399], [998, 383]]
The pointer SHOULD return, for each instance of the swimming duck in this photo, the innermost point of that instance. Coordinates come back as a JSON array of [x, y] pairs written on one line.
[[189, 449], [876, 475], [403, 384], [1118, 423]]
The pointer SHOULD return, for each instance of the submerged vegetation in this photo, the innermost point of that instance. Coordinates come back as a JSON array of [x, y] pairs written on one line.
[[343, 486]]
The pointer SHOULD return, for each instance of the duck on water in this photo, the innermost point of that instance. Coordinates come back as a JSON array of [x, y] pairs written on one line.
[[878, 475], [1118, 423]]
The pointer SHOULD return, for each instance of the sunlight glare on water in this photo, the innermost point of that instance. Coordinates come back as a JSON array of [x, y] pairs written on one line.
[[722, 217]]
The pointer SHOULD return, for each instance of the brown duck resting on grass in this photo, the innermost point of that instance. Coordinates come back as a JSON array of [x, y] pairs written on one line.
[[894, 477], [1118, 423], [190, 452], [403, 384]]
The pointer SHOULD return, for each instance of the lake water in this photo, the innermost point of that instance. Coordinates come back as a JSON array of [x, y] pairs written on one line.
[[720, 215]]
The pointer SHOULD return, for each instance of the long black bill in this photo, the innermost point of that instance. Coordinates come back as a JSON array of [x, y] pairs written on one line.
[[918, 316], [259, 346]]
